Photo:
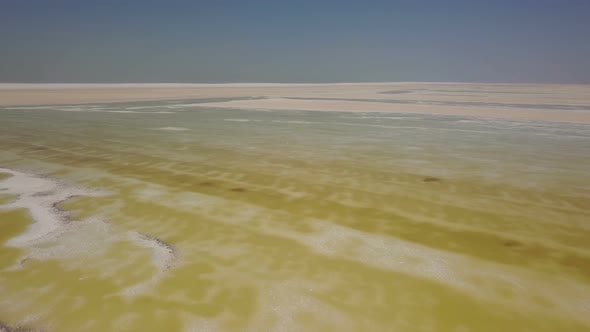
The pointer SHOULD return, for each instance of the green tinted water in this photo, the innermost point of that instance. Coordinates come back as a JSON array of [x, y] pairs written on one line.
[[298, 221]]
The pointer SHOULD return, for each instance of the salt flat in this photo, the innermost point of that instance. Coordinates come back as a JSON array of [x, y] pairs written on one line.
[[335, 207], [541, 102]]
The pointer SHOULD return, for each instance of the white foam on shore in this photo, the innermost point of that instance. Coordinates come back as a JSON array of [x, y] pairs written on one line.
[[78, 242], [88, 238], [164, 257], [140, 112], [133, 108], [39, 196], [73, 109]]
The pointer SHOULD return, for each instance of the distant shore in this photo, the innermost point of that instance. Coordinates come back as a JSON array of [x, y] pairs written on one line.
[[535, 102]]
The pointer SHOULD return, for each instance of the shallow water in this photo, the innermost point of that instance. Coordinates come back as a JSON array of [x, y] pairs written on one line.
[[229, 220]]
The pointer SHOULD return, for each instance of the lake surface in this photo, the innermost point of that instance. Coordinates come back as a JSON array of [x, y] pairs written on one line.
[[183, 218]]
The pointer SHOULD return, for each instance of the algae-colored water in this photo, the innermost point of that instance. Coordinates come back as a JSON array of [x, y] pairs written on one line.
[[233, 220]]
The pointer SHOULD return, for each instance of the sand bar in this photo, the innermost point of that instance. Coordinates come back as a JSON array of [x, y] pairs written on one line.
[[357, 106]]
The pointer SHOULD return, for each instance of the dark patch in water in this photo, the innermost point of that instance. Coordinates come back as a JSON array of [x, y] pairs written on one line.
[[536, 251], [577, 263], [511, 243], [207, 184], [431, 179], [238, 190]]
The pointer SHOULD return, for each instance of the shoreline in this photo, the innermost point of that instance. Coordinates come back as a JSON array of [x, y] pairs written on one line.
[[418, 97], [40, 197], [564, 116]]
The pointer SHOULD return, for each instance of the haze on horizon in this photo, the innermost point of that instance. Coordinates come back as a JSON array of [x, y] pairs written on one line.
[[66, 41]]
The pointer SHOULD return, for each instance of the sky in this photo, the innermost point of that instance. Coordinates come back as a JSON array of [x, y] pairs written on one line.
[[215, 41]]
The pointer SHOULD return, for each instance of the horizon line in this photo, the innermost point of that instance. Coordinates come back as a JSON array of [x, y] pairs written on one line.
[[16, 85]]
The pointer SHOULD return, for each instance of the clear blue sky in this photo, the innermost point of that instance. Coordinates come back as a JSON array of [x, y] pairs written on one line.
[[295, 41]]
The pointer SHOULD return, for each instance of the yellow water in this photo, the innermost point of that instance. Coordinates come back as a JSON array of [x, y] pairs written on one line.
[[298, 221]]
